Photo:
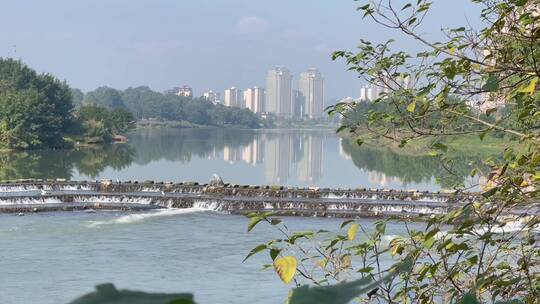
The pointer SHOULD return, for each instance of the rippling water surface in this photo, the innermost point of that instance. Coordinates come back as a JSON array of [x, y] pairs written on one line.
[[51, 258]]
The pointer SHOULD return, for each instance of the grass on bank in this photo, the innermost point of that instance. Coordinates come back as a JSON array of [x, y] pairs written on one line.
[[471, 145]]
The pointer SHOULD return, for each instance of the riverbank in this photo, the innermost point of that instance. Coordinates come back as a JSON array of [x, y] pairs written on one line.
[[274, 125], [470, 145]]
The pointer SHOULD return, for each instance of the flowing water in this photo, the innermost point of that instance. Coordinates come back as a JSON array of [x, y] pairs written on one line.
[[54, 257], [51, 258]]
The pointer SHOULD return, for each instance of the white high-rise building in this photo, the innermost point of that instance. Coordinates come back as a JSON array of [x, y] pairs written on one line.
[[311, 85], [371, 93], [363, 93], [185, 91], [254, 99], [211, 96], [234, 98], [279, 92]]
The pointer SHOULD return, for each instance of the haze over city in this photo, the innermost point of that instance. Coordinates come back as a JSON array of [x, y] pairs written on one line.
[[208, 45]]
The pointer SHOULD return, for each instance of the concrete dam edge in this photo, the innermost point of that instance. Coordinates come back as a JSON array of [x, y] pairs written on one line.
[[22, 196]]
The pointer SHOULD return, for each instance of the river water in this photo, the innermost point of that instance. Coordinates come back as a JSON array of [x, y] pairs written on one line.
[[54, 257], [294, 158], [51, 258]]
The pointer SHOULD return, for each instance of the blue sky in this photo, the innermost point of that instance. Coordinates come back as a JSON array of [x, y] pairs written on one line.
[[208, 44]]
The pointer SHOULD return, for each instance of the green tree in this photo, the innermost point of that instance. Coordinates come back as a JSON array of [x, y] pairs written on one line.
[[99, 124], [35, 109], [105, 96], [121, 120], [78, 97]]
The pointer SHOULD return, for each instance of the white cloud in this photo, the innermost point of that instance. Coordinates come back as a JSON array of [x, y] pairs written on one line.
[[251, 25]]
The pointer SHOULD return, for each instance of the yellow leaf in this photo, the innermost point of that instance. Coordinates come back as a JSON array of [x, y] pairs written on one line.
[[394, 249], [286, 268], [322, 263], [452, 50], [346, 261], [411, 106], [531, 87], [351, 234]]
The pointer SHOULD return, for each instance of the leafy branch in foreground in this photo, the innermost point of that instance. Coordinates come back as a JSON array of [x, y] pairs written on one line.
[[476, 81], [107, 293]]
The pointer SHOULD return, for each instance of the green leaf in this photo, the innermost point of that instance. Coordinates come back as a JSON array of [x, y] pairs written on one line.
[[275, 222], [107, 293], [429, 239], [483, 134], [406, 6], [274, 253], [468, 298], [253, 222], [366, 270], [441, 147], [492, 84], [491, 111], [490, 192], [344, 292], [380, 227], [341, 128], [255, 251], [345, 223]]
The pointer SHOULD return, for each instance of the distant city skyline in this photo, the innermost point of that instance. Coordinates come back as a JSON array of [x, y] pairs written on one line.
[[280, 97], [204, 44], [311, 88]]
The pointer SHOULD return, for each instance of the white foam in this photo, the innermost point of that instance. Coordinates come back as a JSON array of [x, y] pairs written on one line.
[[139, 217], [510, 227], [30, 201], [211, 205]]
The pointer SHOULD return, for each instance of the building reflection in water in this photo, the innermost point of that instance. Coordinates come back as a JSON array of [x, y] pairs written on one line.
[[310, 166], [382, 180], [282, 155]]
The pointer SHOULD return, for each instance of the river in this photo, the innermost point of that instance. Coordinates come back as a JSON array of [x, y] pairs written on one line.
[[54, 257], [293, 158]]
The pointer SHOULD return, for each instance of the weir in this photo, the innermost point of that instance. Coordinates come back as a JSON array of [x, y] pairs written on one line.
[[61, 195]]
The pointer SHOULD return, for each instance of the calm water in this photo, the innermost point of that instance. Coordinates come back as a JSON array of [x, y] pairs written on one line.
[[52, 258], [295, 158]]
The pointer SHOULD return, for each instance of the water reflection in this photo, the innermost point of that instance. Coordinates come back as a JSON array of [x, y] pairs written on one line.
[[299, 158], [63, 164], [282, 154]]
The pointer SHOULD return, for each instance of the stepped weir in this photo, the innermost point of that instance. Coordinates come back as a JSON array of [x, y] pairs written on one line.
[[25, 196]]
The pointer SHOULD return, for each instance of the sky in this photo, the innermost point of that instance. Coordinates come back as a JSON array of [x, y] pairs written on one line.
[[206, 44]]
